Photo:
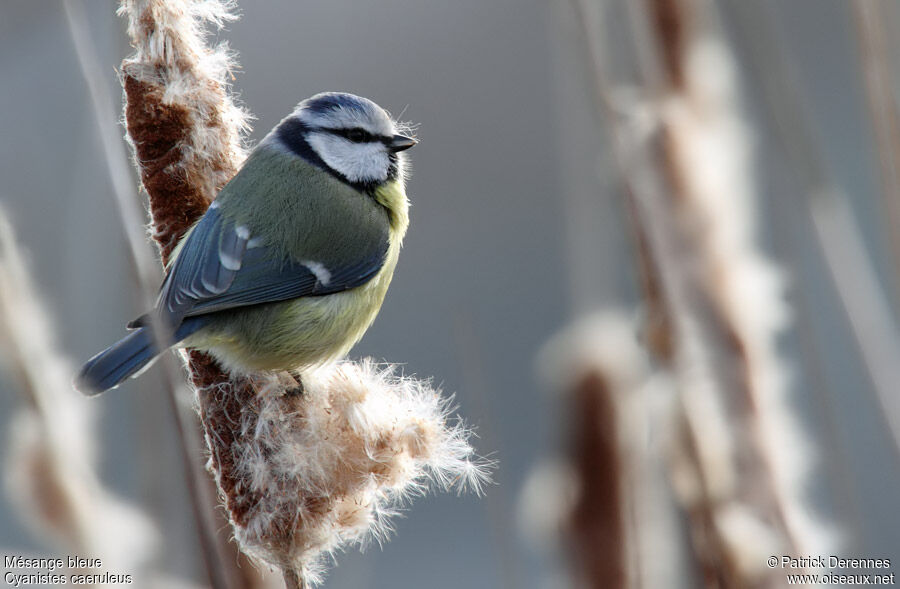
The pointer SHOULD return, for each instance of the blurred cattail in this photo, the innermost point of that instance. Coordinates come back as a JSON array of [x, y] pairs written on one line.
[[614, 509], [742, 431], [51, 471], [717, 302], [300, 474]]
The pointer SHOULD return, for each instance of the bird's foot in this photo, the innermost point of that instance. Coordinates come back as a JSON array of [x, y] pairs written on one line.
[[296, 389]]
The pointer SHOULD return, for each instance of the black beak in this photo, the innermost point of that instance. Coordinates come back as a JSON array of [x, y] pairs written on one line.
[[401, 142]]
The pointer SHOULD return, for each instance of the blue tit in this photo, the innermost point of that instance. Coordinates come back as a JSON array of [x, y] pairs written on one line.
[[291, 262]]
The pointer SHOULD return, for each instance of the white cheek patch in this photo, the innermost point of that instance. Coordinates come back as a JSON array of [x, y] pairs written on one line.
[[323, 276], [358, 162]]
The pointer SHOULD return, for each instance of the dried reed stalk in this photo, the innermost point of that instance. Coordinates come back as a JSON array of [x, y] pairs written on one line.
[[729, 312], [51, 469], [877, 76], [740, 462], [839, 236], [299, 475]]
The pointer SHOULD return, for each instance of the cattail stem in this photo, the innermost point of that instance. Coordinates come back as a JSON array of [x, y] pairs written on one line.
[[299, 475], [292, 579], [180, 173], [146, 279]]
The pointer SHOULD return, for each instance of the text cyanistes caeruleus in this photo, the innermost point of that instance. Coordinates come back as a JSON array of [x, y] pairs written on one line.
[[291, 262]]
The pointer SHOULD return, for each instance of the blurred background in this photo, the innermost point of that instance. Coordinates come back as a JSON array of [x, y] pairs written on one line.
[[534, 207]]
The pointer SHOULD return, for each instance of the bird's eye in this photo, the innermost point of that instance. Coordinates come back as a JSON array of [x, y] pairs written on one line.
[[356, 135]]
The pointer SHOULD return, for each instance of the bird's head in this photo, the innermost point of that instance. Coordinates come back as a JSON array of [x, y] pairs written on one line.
[[349, 136]]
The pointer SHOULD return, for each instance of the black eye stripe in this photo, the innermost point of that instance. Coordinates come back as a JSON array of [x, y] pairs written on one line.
[[356, 135]]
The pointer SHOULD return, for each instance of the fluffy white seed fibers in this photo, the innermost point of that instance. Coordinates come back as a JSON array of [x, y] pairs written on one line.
[[331, 465]]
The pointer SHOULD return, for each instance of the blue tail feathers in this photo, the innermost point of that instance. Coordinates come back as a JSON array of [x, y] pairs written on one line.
[[126, 357]]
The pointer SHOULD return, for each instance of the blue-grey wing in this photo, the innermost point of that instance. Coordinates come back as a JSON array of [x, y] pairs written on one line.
[[222, 266], [263, 279], [205, 266]]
